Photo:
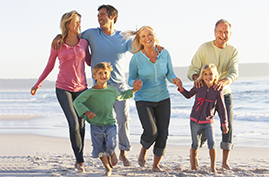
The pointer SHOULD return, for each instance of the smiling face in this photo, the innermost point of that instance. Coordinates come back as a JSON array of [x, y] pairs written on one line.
[[103, 18], [147, 38], [222, 34], [102, 76], [209, 77], [74, 25]]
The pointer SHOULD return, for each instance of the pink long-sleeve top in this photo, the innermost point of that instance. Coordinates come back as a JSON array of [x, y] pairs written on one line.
[[72, 60]]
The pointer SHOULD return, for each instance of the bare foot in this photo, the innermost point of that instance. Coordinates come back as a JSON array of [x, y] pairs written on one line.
[[142, 157], [108, 173], [193, 161], [124, 160], [114, 159], [157, 169], [196, 160], [226, 166], [109, 162], [79, 167], [215, 171]]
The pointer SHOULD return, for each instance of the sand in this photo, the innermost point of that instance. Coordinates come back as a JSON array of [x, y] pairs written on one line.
[[32, 155], [35, 155]]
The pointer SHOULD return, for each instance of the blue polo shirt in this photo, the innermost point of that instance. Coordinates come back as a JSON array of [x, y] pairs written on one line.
[[108, 48]]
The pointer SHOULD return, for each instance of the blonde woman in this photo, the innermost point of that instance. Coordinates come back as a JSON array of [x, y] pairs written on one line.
[[203, 110], [71, 80], [153, 99]]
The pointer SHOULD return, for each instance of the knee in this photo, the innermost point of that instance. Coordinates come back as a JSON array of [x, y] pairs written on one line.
[[211, 144], [150, 135]]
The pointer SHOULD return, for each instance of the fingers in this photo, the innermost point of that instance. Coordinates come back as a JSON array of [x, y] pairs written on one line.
[[33, 90]]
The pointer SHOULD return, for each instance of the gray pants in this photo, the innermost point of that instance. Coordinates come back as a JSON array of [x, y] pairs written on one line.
[[121, 109], [76, 124], [155, 118]]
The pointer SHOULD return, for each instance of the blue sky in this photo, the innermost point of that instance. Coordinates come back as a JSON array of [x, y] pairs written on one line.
[[28, 27]]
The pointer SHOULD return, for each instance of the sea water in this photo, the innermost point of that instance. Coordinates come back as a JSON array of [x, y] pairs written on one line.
[[250, 100]]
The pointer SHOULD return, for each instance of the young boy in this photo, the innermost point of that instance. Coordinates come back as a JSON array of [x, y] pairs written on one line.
[[96, 104]]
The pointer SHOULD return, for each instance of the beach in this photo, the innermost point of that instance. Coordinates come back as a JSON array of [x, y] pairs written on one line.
[[36, 155]]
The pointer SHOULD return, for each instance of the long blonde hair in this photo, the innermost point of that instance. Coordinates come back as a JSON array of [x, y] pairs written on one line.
[[213, 68], [136, 45], [65, 20]]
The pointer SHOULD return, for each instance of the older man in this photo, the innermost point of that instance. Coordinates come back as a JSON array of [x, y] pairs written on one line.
[[225, 57]]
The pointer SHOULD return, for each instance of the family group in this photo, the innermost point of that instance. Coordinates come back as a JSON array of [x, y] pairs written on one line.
[[213, 68]]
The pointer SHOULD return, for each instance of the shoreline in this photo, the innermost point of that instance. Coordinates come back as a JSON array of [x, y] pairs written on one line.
[[37, 125], [35, 155]]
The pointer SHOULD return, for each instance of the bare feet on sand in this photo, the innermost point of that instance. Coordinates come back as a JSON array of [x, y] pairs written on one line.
[[124, 158], [108, 173], [142, 157], [114, 159], [226, 166], [194, 161], [157, 169], [79, 167]]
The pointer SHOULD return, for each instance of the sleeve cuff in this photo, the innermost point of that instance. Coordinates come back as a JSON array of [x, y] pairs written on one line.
[[180, 90]]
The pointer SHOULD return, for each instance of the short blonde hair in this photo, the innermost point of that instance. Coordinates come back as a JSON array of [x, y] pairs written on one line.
[[209, 66], [65, 20], [136, 45], [102, 65]]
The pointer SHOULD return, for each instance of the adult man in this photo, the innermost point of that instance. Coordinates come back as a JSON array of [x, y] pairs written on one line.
[[108, 45], [225, 57]]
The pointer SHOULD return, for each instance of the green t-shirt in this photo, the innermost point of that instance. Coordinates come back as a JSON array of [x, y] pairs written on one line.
[[100, 101]]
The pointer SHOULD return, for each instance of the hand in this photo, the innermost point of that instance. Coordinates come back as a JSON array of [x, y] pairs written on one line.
[[56, 41], [137, 85], [33, 90], [90, 114], [220, 84], [159, 48], [225, 129], [198, 84], [177, 82]]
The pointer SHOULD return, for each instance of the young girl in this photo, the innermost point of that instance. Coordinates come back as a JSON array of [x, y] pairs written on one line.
[[203, 110], [96, 105]]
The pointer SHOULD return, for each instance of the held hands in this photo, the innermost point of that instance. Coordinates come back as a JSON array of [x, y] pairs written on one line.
[[56, 41], [177, 82], [33, 90], [137, 85], [225, 129], [90, 114]]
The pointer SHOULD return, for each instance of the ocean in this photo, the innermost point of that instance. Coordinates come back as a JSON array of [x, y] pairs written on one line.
[[251, 114]]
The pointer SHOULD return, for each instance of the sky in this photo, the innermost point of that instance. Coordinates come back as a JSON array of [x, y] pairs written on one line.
[[28, 27]]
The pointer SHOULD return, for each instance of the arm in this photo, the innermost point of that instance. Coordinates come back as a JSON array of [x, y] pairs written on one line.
[[124, 95], [88, 55], [196, 65], [47, 70], [188, 94], [79, 103], [233, 67], [233, 72], [170, 74], [222, 110], [133, 71]]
